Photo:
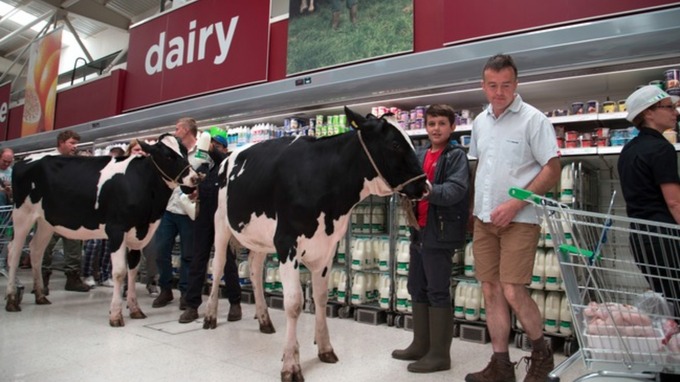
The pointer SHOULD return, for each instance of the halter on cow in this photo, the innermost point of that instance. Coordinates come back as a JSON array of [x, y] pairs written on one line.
[[119, 199], [294, 196]]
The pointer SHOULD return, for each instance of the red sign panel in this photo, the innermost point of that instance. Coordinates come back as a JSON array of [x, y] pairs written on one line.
[[5, 91], [485, 18], [202, 47]]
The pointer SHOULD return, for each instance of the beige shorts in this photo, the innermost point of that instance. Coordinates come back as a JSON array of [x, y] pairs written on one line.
[[505, 254]]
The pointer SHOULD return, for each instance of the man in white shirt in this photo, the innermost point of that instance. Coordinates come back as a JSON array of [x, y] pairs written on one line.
[[175, 221], [515, 146]]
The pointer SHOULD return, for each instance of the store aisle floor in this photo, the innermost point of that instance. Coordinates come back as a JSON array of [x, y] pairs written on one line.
[[71, 340]]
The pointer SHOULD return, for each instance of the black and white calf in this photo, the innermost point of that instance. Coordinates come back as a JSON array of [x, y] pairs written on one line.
[[119, 199], [294, 196]]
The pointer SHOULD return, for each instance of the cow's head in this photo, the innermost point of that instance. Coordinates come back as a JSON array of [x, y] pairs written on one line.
[[391, 154], [169, 157]]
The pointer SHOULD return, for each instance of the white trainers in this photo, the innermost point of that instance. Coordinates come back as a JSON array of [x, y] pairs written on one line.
[[107, 283], [152, 289], [89, 281]]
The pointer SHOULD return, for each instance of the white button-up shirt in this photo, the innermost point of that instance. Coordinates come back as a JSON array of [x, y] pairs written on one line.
[[174, 205], [511, 150]]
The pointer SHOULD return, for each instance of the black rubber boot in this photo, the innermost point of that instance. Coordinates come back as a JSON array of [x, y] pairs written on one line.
[[421, 334], [438, 358]]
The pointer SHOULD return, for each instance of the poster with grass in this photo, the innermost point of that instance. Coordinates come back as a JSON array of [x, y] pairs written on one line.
[[327, 33]]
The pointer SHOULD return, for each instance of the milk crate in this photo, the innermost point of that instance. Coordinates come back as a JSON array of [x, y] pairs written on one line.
[[332, 310], [275, 302], [474, 333], [247, 297], [369, 316]]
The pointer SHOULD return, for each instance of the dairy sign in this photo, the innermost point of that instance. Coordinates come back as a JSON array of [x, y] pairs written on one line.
[[198, 48]]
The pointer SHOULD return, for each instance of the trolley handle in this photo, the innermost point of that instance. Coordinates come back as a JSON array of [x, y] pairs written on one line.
[[522, 194]]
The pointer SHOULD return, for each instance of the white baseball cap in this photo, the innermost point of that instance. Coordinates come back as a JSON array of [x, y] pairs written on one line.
[[645, 97]]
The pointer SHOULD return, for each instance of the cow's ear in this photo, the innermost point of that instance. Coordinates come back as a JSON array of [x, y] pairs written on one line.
[[355, 120], [145, 146]]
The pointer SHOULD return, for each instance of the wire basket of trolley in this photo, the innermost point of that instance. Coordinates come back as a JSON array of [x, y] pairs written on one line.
[[622, 280], [5, 235]]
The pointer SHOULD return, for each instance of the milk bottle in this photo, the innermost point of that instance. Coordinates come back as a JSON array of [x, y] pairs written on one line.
[[538, 274], [244, 272], [384, 298], [567, 185], [270, 279], [376, 247], [359, 254], [552, 271], [482, 309], [332, 286], [539, 297], [278, 286], [176, 260], [342, 286], [552, 312], [541, 236], [403, 257], [565, 316], [341, 251], [459, 300], [568, 236], [403, 223], [376, 286], [402, 294], [473, 299], [547, 235], [469, 261], [359, 288], [384, 255]]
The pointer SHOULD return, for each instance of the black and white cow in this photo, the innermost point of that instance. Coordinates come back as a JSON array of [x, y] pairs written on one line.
[[119, 199], [294, 196]]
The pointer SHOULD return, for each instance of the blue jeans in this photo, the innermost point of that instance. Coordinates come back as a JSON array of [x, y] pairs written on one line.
[[164, 239]]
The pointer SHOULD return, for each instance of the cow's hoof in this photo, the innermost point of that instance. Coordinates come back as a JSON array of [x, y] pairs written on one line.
[[267, 328], [209, 323], [42, 300], [328, 357], [12, 305], [117, 323], [137, 315], [289, 376]]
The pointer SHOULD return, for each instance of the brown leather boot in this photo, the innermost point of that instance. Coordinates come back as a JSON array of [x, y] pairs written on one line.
[[353, 14], [163, 298], [74, 283], [496, 371], [235, 313], [335, 22], [189, 315], [540, 365]]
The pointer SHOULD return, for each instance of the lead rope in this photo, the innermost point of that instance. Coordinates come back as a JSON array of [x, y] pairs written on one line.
[[166, 176], [370, 158]]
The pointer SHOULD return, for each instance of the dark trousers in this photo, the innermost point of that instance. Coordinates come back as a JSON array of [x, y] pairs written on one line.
[[659, 260], [164, 239], [204, 236], [429, 275]]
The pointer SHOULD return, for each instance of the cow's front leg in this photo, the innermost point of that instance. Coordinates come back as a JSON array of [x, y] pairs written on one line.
[[118, 272], [292, 303], [256, 263], [133, 259], [320, 291]]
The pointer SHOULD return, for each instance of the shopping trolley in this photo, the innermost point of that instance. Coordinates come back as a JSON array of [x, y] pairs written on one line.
[[622, 280]]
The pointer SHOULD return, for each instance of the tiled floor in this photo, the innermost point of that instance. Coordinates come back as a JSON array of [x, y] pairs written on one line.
[[71, 340]]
